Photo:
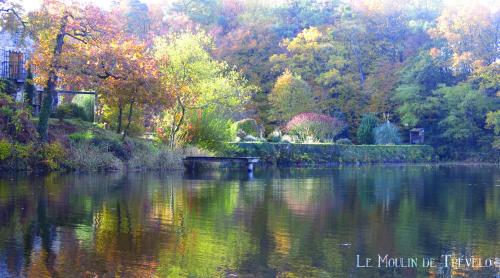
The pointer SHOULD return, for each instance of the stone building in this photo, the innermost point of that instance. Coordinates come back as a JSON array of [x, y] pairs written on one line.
[[13, 56]]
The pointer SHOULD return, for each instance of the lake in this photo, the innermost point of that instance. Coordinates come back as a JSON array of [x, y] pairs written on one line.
[[332, 222]]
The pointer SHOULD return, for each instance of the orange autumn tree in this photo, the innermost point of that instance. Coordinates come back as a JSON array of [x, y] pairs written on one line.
[[58, 30], [126, 76], [123, 71], [91, 49]]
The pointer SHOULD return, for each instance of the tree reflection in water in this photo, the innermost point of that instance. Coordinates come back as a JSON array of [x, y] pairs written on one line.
[[281, 222]]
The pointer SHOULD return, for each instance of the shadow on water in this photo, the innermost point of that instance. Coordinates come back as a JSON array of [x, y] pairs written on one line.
[[276, 222]]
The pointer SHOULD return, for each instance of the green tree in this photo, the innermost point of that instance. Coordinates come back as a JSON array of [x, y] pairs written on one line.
[[137, 16], [313, 55], [365, 129], [204, 12], [465, 114], [493, 122], [387, 134], [290, 96], [324, 61], [195, 80], [416, 105], [298, 15]]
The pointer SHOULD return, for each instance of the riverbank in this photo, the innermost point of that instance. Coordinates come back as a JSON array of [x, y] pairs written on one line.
[[324, 154], [76, 145]]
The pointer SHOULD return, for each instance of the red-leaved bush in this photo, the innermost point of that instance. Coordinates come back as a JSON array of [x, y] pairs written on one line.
[[318, 127]]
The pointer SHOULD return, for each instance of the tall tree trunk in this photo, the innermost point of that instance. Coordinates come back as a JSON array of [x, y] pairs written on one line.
[[176, 125], [43, 119], [120, 116], [129, 119], [43, 122]]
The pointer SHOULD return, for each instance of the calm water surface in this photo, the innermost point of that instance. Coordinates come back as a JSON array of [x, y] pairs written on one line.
[[283, 222]]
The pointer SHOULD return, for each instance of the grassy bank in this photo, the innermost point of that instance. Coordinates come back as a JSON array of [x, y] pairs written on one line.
[[79, 145], [293, 154]]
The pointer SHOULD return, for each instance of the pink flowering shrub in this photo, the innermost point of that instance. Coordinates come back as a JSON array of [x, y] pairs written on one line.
[[313, 126]]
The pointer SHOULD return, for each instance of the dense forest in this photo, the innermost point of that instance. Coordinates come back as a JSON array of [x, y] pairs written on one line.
[[187, 70]]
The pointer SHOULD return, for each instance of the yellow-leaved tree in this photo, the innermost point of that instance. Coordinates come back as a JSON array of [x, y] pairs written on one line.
[[196, 81], [290, 96]]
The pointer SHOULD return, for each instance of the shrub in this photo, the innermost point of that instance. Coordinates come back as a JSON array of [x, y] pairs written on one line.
[[7, 86], [274, 136], [19, 156], [344, 141], [23, 151], [86, 102], [248, 126], [24, 130], [365, 129], [81, 136], [209, 130], [169, 159], [194, 151], [62, 112], [387, 134], [312, 126], [88, 157], [147, 156], [69, 110], [23, 157], [15, 121], [5, 149], [53, 155], [122, 150]]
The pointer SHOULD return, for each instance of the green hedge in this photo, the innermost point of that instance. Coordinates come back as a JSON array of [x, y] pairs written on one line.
[[289, 154]]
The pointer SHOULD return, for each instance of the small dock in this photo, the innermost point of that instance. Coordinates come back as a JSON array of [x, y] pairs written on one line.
[[249, 162]]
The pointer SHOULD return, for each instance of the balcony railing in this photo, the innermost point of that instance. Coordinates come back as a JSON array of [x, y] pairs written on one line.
[[13, 65]]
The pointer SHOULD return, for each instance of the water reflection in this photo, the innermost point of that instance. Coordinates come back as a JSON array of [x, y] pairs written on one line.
[[282, 222]]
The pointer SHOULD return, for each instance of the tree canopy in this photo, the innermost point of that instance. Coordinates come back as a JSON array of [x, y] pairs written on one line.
[[425, 64]]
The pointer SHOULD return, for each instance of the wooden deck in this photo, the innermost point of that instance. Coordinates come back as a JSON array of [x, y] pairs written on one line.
[[248, 161]]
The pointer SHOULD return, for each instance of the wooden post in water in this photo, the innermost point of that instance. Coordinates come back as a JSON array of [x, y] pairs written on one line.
[[250, 166]]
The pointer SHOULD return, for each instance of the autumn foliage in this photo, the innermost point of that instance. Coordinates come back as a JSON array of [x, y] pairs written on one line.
[[153, 65]]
